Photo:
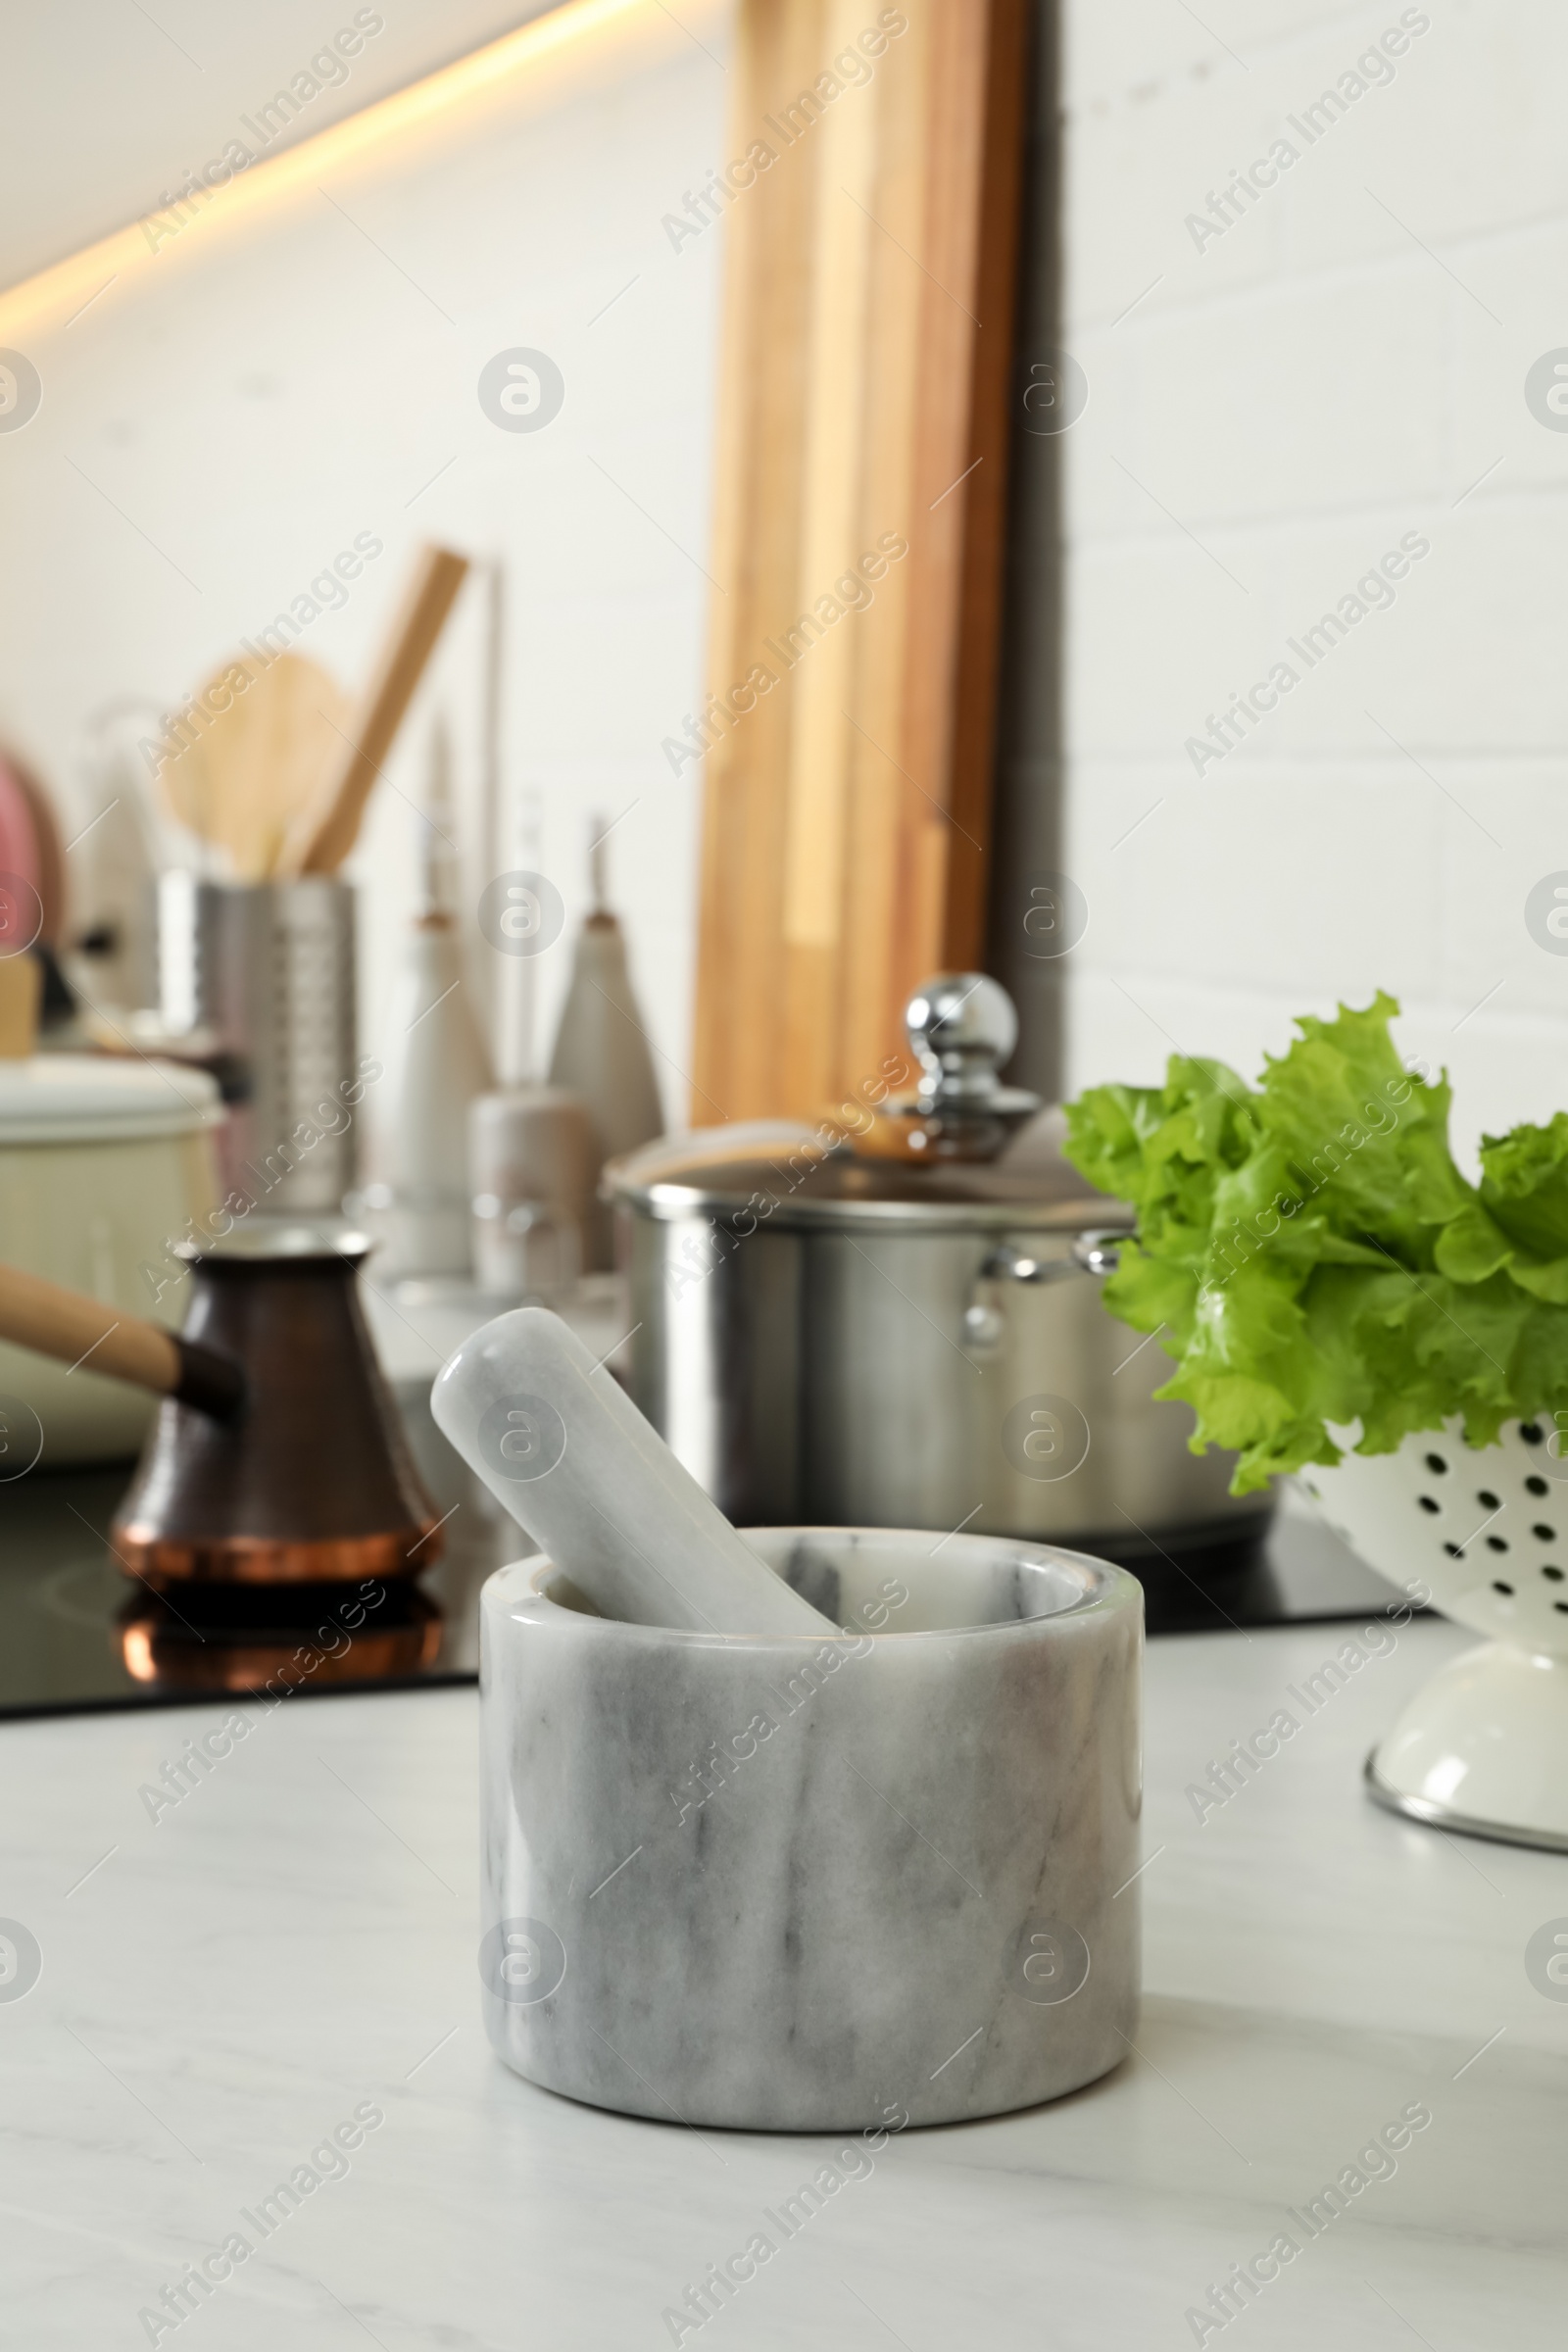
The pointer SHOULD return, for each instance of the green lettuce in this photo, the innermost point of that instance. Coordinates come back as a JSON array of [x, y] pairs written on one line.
[[1311, 1256]]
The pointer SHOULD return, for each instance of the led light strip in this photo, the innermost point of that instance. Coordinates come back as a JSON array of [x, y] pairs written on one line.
[[68, 287]]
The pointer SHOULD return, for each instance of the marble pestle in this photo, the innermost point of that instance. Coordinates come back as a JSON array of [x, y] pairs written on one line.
[[562, 1446]]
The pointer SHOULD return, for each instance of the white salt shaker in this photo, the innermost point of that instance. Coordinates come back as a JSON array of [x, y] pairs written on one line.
[[531, 1161]]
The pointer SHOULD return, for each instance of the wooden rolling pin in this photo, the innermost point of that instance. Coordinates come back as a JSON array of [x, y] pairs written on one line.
[[83, 1331], [324, 833]]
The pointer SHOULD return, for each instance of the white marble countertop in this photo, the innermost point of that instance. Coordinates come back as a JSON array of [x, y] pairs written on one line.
[[296, 1940]]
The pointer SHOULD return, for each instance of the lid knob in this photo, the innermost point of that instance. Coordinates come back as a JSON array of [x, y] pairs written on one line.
[[962, 1026]]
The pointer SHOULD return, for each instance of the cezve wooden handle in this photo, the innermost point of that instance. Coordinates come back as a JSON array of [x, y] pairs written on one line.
[[327, 829], [83, 1332]]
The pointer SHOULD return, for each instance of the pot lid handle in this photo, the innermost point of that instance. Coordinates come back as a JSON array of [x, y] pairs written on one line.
[[962, 1027]]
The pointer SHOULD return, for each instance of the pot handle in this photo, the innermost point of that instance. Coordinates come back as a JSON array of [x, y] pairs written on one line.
[[1089, 1254], [984, 1325], [1098, 1252], [40, 1315]]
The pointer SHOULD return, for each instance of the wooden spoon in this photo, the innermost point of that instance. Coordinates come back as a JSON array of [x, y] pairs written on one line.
[[244, 782]]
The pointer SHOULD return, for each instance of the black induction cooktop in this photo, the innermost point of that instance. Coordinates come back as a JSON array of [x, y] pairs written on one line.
[[78, 1634]]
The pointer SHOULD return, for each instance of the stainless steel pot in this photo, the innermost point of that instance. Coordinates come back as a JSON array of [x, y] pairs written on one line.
[[914, 1340]]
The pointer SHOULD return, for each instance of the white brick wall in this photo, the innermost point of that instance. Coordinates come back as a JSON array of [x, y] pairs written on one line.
[[1308, 387]]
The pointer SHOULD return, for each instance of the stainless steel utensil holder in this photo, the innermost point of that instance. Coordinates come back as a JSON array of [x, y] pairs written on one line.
[[269, 968]]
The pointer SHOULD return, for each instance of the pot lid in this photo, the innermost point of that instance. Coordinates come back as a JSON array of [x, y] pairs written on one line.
[[99, 1098], [783, 1174], [964, 1151]]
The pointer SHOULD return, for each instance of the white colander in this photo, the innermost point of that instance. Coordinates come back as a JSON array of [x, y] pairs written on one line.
[[1483, 1746]]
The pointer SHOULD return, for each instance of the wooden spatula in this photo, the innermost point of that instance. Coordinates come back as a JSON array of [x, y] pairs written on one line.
[[325, 831]]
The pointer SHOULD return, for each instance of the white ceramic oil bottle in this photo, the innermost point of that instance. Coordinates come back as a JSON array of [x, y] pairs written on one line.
[[436, 1061], [602, 1051]]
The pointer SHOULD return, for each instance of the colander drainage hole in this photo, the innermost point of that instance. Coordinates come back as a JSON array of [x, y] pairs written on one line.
[[1553, 1576], [1530, 1433], [1428, 1503], [1437, 1465], [1456, 1552], [1537, 1486], [1561, 1607], [1509, 1590], [1547, 1534], [1488, 1501], [1496, 1543]]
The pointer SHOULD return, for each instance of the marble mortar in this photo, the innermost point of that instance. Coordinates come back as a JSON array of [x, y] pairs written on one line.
[[795, 1885]]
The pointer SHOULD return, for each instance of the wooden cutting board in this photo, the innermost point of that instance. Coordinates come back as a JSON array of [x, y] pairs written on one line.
[[244, 782], [862, 438]]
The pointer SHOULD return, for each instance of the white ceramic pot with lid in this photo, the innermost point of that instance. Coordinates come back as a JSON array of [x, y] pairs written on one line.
[[103, 1164]]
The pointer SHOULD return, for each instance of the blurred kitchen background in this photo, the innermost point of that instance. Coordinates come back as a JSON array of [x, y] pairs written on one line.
[[255, 393], [996, 400], [1268, 409]]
